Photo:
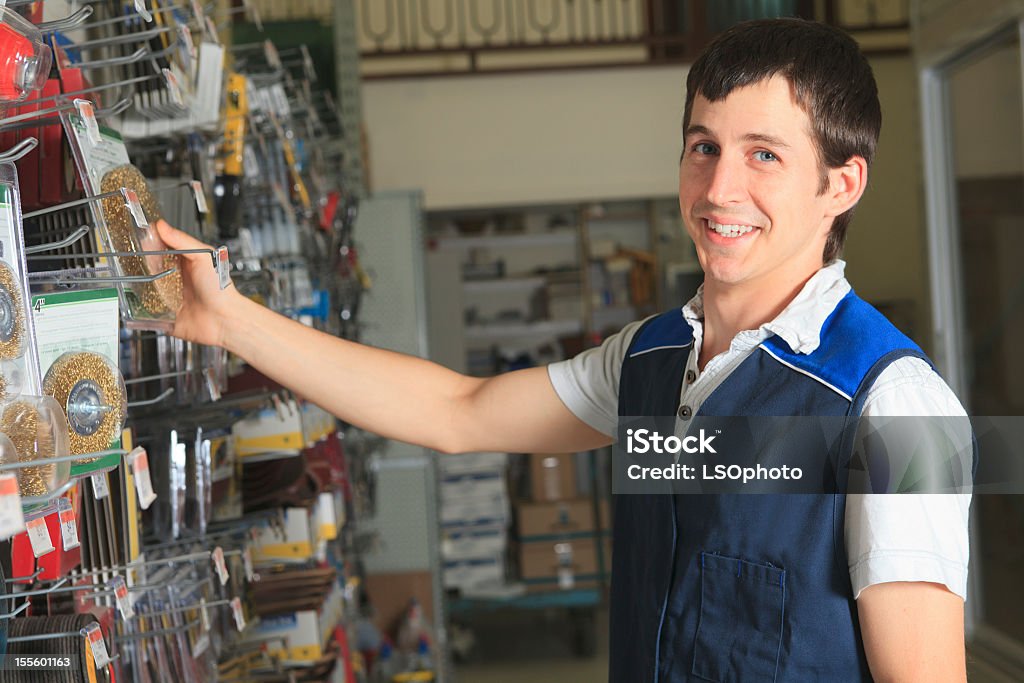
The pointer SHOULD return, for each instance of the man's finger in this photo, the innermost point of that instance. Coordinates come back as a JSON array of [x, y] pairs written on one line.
[[176, 239]]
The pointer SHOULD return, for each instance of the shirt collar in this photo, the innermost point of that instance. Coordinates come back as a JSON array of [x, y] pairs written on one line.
[[801, 321]]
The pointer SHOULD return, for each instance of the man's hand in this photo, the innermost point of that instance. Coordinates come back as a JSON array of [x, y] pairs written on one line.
[[205, 305], [913, 631]]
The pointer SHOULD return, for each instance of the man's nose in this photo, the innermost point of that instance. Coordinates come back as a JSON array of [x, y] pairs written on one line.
[[727, 183]]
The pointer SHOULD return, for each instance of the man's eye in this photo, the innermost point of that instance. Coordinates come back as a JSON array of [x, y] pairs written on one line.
[[764, 155], [705, 148]]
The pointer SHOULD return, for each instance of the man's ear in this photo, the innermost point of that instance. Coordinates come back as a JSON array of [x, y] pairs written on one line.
[[846, 185]]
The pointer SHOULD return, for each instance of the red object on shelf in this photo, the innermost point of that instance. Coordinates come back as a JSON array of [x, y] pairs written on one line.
[[16, 51], [341, 637], [330, 208], [54, 565]]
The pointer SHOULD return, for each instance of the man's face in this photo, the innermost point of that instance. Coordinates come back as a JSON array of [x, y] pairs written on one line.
[[748, 190]]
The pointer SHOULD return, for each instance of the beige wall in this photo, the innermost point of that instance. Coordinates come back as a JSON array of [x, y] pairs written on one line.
[[886, 248], [529, 138]]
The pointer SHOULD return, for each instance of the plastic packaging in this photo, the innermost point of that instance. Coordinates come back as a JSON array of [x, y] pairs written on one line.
[[38, 429], [24, 58], [90, 389]]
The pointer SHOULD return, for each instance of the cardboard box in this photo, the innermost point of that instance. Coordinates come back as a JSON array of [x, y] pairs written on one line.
[[562, 564], [558, 519], [475, 573], [473, 462], [472, 485], [474, 542], [553, 476], [390, 593]]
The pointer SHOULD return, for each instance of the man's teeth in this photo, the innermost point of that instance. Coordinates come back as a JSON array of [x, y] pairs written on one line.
[[730, 230]]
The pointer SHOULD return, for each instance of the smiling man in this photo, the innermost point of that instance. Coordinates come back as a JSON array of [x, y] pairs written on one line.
[[780, 127]]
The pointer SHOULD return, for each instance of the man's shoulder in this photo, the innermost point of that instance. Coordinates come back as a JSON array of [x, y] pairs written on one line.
[[856, 343], [666, 330]]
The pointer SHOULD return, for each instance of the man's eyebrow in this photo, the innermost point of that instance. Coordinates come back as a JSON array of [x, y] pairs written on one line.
[[770, 140]]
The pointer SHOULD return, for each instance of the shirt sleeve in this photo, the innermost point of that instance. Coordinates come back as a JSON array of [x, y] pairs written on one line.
[[588, 384], [910, 537]]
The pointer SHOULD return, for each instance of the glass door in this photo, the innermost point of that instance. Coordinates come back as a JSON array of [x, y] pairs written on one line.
[[974, 137]]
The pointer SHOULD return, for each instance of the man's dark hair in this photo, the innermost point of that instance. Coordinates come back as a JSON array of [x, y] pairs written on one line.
[[831, 79]]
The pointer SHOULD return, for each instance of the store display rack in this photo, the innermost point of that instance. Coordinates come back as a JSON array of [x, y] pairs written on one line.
[[215, 534]]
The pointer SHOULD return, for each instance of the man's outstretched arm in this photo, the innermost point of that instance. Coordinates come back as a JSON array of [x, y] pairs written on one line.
[[913, 631], [391, 394]]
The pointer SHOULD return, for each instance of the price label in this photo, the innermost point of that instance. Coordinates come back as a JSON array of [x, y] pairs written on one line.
[[273, 58], [97, 645], [211, 384], [142, 10], [200, 195], [88, 114], [201, 645], [211, 29], [204, 615], [250, 572], [131, 200], [140, 469], [236, 610], [100, 487], [39, 537], [124, 605], [172, 87], [68, 524], [12, 518], [223, 267], [218, 563], [186, 37]]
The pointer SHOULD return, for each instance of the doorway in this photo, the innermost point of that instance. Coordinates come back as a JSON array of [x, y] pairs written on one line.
[[974, 140]]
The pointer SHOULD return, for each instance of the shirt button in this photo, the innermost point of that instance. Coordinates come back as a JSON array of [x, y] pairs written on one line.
[[691, 376], [685, 412]]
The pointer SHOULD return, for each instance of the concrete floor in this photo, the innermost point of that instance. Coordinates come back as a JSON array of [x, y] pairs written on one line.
[[534, 646]]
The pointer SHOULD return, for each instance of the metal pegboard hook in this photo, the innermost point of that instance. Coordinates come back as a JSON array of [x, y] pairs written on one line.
[[78, 234], [134, 57], [167, 393], [72, 21], [11, 615], [19, 579], [73, 203], [64, 277], [19, 150], [6, 467]]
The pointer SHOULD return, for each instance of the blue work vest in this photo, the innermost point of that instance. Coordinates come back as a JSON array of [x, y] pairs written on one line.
[[744, 588]]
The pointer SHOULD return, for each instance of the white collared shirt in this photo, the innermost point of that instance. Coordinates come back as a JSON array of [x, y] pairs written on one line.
[[907, 537]]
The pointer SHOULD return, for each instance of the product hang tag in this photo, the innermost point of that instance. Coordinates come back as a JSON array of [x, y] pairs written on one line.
[[197, 11], [68, 524], [250, 572], [124, 605], [204, 615], [201, 645], [172, 87], [236, 610], [210, 375], [142, 10], [94, 637], [218, 563], [12, 517], [39, 536], [185, 33], [223, 267], [100, 487], [88, 114], [131, 200], [211, 30], [200, 196], [139, 462], [566, 578]]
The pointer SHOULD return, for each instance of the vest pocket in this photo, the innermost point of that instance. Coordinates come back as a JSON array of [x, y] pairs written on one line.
[[740, 628]]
